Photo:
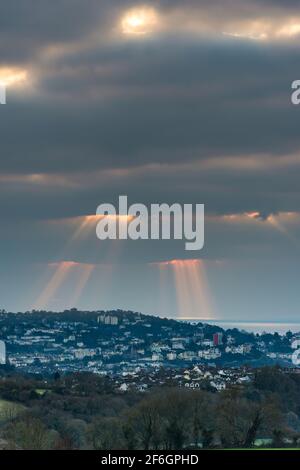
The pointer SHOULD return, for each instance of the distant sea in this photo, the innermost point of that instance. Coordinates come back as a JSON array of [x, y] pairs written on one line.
[[253, 327]]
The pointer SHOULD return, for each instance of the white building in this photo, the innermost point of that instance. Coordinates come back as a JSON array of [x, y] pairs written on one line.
[[82, 353], [209, 354], [177, 345], [157, 357], [171, 356], [108, 320]]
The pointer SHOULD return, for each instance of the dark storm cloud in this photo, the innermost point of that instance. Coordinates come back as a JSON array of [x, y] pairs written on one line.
[[28, 26], [224, 190], [164, 102]]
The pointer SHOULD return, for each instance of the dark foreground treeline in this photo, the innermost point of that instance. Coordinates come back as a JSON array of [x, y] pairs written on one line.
[[83, 411]]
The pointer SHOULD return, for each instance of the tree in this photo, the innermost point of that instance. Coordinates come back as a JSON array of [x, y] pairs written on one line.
[[174, 407], [146, 421], [240, 420], [28, 433], [106, 434], [73, 433], [202, 417]]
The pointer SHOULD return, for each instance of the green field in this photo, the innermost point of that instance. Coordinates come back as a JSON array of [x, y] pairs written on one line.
[[9, 408]]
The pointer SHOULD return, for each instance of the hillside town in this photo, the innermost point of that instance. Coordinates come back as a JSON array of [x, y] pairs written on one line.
[[130, 346]]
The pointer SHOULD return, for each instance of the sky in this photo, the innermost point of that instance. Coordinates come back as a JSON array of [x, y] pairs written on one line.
[[163, 101]]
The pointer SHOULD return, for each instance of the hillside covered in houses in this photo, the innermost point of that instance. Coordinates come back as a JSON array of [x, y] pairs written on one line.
[[124, 343]]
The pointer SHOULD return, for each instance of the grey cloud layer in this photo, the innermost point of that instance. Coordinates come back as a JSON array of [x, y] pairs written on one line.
[[28, 26], [164, 103], [172, 101], [215, 99]]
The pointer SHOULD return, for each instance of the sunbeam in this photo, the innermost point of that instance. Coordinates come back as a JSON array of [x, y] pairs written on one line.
[[85, 273], [273, 220], [57, 279], [191, 286], [62, 271]]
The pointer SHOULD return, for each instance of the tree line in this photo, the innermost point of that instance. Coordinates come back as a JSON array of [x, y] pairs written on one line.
[[84, 411]]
